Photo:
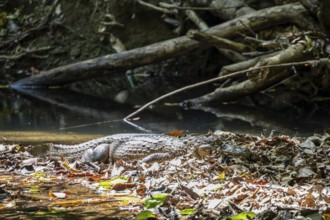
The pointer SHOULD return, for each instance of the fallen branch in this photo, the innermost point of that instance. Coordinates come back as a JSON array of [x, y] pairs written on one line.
[[257, 82], [218, 41], [229, 9], [163, 10], [192, 15], [246, 64], [174, 6], [108, 64]]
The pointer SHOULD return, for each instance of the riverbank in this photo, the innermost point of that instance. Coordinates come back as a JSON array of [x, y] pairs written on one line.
[[285, 176]]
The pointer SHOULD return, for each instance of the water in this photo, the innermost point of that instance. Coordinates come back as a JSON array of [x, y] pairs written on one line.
[[58, 113]]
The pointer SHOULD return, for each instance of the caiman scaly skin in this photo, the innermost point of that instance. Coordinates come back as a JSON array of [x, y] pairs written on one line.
[[128, 147]]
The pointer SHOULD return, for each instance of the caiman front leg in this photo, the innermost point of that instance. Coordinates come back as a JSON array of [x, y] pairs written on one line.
[[99, 153]]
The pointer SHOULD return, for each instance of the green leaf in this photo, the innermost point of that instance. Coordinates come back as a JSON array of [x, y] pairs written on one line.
[[39, 174], [156, 200], [50, 212], [3, 17], [3, 32], [189, 211], [242, 216], [161, 196], [144, 215], [110, 183], [309, 43], [15, 15], [11, 16], [34, 190], [152, 203]]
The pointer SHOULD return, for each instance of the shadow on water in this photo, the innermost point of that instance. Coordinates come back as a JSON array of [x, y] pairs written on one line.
[[61, 111]]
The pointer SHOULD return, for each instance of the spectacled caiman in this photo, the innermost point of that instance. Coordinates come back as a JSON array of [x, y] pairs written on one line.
[[148, 147]]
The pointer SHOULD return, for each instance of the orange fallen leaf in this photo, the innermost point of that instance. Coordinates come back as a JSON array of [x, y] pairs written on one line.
[[176, 133], [309, 201]]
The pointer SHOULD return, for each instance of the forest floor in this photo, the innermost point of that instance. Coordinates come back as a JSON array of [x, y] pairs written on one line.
[[284, 178]]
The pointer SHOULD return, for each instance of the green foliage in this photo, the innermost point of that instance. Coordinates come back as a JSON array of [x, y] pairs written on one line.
[[309, 43], [3, 18], [3, 32], [108, 184], [34, 189], [144, 215], [50, 212], [190, 211], [155, 200], [242, 216]]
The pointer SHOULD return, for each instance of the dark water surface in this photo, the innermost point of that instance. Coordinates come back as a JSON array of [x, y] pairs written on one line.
[[62, 112]]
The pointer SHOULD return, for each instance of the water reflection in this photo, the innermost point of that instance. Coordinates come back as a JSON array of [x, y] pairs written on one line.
[[67, 111], [58, 109]]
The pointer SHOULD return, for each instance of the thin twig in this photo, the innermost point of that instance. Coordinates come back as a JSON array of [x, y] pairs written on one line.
[[24, 53], [88, 124], [173, 6], [221, 78], [164, 10], [192, 15], [137, 126]]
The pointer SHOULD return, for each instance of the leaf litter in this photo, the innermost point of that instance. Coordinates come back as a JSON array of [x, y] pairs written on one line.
[[281, 178]]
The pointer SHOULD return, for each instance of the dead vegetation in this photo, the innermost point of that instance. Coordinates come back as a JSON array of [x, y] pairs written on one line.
[[285, 178]]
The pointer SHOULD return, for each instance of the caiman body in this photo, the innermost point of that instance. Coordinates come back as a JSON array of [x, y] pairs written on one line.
[[128, 147]]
